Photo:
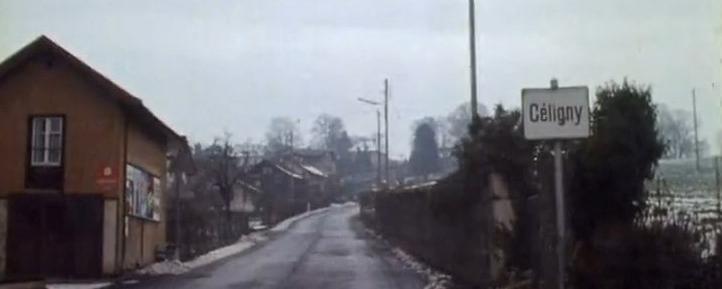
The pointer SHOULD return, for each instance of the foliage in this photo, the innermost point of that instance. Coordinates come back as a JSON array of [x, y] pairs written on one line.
[[424, 158], [497, 144], [417, 219], [614, 162], [436, 124], [660, 250]]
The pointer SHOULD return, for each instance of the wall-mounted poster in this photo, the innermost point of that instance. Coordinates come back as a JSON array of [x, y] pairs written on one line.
[[142, 193]]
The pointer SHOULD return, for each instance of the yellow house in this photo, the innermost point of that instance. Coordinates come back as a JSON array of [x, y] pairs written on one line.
[[83, 168]]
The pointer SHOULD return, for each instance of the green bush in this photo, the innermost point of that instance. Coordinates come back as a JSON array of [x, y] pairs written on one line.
[[614, 162], [496, 144]]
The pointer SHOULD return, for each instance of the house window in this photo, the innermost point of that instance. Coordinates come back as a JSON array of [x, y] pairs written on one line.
[[47, 142]]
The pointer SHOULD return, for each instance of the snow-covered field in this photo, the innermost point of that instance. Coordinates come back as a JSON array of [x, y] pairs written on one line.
[[682, 192], [680, 187]]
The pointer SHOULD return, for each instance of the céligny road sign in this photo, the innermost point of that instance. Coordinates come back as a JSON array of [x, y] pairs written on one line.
[[555, 113]]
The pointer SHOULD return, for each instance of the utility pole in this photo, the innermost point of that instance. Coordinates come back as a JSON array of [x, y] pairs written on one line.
[[386, 127], [291, 141], [472, 55], [717, 184], [291, 133], [177, 178], [378, 149], [696, 139]]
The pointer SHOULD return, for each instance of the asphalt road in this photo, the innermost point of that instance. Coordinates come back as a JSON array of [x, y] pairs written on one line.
[[325, 250]]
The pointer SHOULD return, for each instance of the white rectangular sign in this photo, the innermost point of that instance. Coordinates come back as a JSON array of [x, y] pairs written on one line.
[[560, 113]]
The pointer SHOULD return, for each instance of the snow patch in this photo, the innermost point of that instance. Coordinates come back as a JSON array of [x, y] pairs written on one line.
[[434, 278], [244, 243], [164, 268], [346, 204], [79, 285], [285, 224], [177, 267]]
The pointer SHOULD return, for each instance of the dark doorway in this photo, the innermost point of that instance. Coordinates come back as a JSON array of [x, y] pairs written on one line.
[[54, 235]]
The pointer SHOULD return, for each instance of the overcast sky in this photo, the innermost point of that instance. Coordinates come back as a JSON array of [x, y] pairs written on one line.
[[209, 66]]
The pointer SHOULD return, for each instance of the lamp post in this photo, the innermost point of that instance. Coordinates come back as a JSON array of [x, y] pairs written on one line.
[[378, 138]]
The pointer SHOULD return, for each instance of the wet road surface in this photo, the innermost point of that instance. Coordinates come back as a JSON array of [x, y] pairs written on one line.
[[325, 250]]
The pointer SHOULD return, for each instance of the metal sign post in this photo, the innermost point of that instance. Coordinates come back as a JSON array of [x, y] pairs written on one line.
[[559, 198], [556, 114], [559, 193]]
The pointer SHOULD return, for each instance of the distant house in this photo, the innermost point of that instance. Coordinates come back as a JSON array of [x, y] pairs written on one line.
[[244, 198], [283, 191], [317, 183], [84, 169], [322, 159], [324, 171]]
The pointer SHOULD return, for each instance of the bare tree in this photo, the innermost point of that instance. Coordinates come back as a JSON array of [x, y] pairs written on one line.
[[457, 122], [675, 129], [327, 130], [222, 166], [329, 134], [282, 135]]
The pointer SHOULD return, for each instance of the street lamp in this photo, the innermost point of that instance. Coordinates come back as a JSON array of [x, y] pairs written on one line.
[[386, 125], [378, 138]]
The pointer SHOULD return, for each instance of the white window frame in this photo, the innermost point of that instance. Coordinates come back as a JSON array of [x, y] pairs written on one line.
[[45, 161]]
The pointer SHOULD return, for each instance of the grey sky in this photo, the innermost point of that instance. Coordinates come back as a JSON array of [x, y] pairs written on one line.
[[206, 66]]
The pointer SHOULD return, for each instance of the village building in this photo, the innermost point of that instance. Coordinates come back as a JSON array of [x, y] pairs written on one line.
[[283, 191], [84, 170]]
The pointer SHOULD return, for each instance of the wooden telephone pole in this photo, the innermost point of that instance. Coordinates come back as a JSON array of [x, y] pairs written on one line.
[[386, 127], [378, 149], [696, 139], [472, 56]]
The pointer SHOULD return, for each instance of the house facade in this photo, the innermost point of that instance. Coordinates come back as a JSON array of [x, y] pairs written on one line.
[[83, 171], [319, 166], [283, 191]]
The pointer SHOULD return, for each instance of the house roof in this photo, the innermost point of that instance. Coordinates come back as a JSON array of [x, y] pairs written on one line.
[[132, 105], [288, 171], [313, 170], [278, 167], [250, 187], [313, 154]]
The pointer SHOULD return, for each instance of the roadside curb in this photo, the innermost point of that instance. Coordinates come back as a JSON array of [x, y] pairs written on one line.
[[434, 278]]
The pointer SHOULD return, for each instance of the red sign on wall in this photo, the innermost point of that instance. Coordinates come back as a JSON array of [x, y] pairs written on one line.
[[107, 179]]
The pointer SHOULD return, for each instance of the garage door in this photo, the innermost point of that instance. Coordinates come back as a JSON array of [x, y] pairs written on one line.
[[55, 236]]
